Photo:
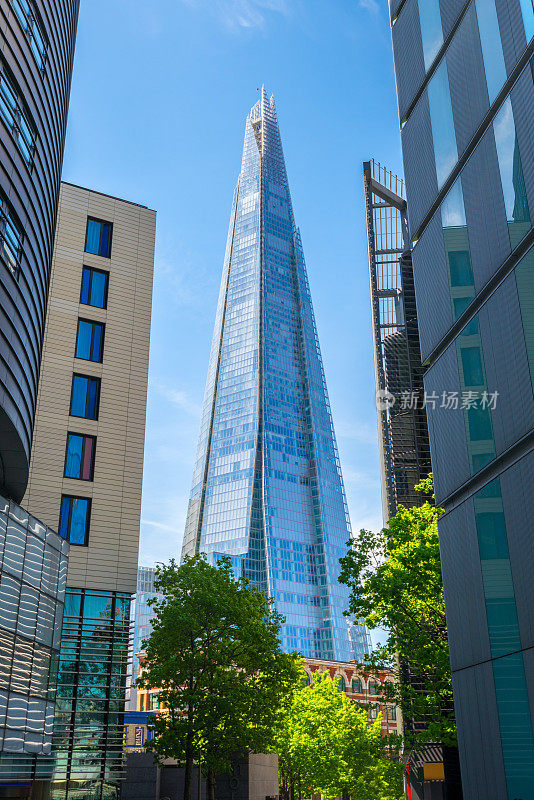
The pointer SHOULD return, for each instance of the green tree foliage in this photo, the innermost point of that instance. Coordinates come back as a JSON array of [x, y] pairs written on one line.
[[214, 654], [396, 584], [326, 745]]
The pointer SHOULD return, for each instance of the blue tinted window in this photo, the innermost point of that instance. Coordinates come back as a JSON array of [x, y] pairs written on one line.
[[457, 249], [98, 238], [94, 287], [472, 366], [511, 170], [490, 39], [79, 459], [431, 30], [527, 10], [90, 340], [442, 122], [84, 397], [74, 519]]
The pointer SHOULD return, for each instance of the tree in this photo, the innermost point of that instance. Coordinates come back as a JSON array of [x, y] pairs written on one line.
[[396, 584], [325, 745], [214, 654]]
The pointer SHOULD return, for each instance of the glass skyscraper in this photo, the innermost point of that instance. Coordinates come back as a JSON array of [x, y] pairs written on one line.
[[267, 486]]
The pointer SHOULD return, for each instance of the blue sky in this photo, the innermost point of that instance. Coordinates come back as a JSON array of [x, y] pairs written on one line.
[[159, 99]]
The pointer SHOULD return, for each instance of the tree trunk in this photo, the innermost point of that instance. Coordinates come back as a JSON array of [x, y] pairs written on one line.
[[187, 774], [211, 785]]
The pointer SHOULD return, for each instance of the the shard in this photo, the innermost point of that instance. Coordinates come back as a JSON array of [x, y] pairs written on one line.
[[267, 487]]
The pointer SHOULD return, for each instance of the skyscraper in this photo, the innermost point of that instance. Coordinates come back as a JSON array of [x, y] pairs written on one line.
[[466, 93], [142, 614], [267, 486], [87, 464]]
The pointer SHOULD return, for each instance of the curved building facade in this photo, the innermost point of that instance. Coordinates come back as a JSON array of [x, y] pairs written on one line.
[[37, 40]]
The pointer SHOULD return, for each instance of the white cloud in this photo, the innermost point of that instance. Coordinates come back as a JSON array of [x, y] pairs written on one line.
[[179, 397], [370, 5], [242, 14]]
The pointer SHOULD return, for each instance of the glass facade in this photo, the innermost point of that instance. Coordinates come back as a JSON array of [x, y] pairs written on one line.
[[89, 721], [267, 487], [33, 570], [142, 612]]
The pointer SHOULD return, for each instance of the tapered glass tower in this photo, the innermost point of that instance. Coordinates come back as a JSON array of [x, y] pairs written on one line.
[[267, 487]]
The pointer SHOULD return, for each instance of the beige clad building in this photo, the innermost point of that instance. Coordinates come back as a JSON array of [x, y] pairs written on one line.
[[87, 461]]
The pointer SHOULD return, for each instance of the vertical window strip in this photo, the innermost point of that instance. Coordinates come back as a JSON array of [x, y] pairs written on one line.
[[511, 172], [457, 249], [15, 115], [492, 52], [511, 693], [442, 123], [27, 16], [527, 10], [431, 30], [10, 238]]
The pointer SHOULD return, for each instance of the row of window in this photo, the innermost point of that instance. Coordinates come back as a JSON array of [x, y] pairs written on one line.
[[28, 17], [15, 114], [80, 450]]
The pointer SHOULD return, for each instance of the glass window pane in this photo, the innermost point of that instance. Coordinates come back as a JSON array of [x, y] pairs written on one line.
[[98, 289], [92, 239], [96, 350], [87, 464], [64, 517], [431, 30], [490, 39], [472, 366], [79, 395], [527, 9], [97, 606], [442, 122], [86, 279], [105, 242], [511, 170], [83, 342], [78, 524], [74, 455], [456, 240], [92, 401]]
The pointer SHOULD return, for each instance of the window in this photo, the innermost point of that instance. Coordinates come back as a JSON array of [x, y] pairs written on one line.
[[27, 16], [80, 456], [456, 240], [15, 114], [490, 40], [373, 687], [341, 685], [90, 340], [85, 397], [373, 710], [357, 687], [153, 702], [94, 287], [442, 123], [392, 712], [74, 519], [10, 238], [511, 170], [431, 30], [98, 237], [527, 9]]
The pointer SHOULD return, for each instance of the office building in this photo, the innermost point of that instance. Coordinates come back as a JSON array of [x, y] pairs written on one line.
[[86, 467], [33, 571], [466, 94], [36, 56], [142, 615], [402, 424], [267, 487]]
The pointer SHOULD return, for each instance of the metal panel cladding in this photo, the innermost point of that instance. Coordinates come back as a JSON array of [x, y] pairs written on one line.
[[267, 487], [37, 40]]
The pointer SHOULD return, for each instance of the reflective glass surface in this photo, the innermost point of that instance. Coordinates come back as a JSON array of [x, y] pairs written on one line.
[[85, 396], [33, 566], [267, 487], [511, 170], [94, 287], [527, 9], [90, 340], [458, 254], [80, 456], [74, 519], [503, 628], [490, 39], [98, 238], [442, 122], [431, 30]]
